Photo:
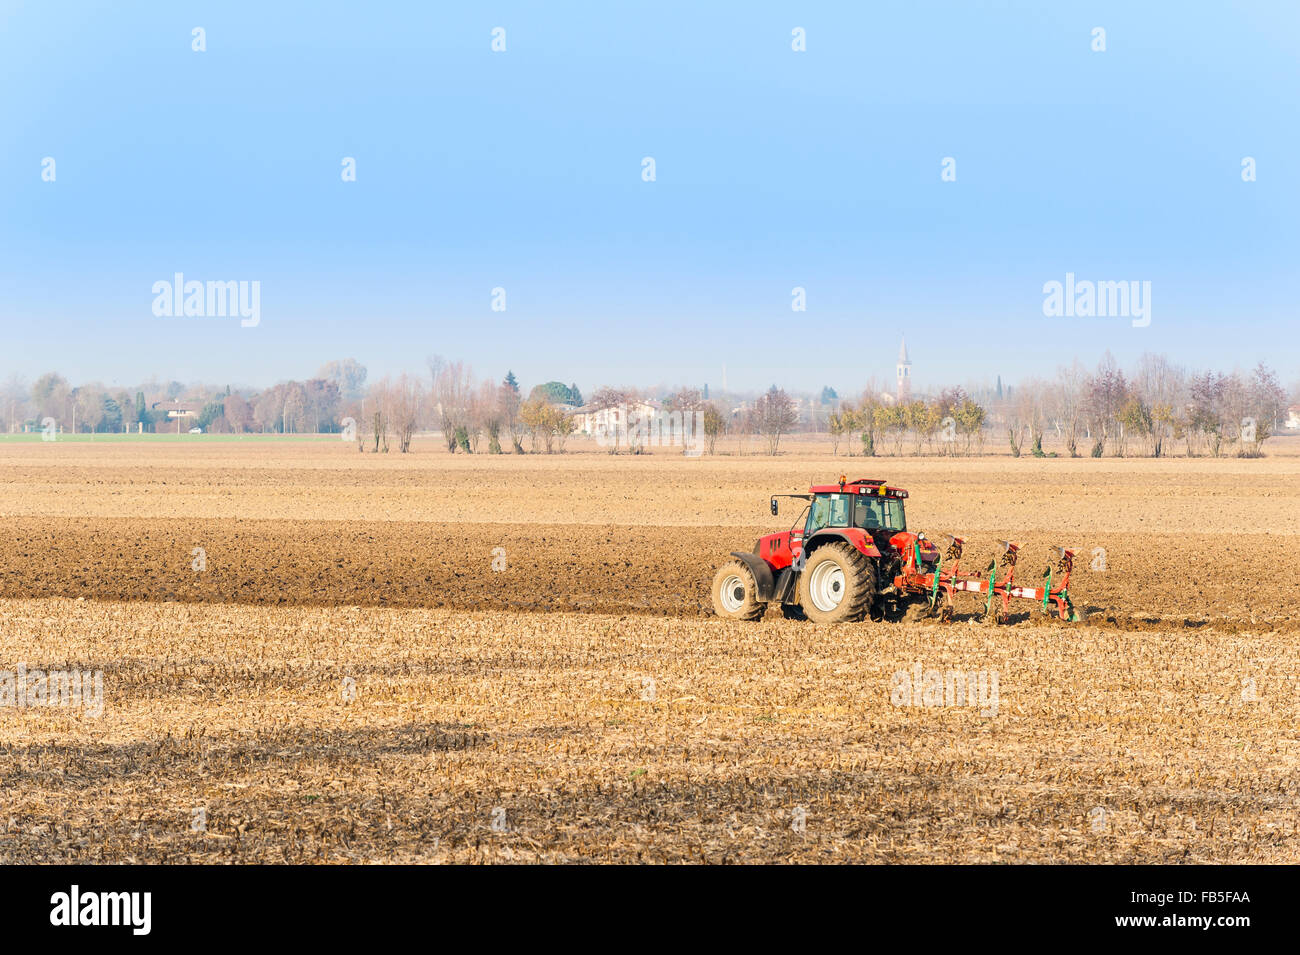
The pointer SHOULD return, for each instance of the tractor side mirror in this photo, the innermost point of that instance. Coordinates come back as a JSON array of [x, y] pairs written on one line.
[[774, 507]]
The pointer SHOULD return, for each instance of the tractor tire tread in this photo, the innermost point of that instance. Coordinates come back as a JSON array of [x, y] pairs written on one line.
[[857, 566], [752, 608]]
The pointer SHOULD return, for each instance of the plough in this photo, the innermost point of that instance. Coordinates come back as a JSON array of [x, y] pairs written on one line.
[[937, 585]]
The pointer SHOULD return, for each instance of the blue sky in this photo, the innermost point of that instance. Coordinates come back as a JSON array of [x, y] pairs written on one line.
[[522, 170]]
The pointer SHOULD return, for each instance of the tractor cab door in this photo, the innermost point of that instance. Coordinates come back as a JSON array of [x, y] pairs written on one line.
[[826, 510], [881, 518]]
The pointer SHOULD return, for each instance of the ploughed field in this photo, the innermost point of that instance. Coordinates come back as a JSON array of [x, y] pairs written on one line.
[[477, 658]]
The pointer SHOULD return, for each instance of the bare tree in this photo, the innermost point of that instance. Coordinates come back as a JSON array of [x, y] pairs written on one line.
[[348, 375], [267, 408], [563, 425], [1030, 409], [776, 415], [714, 424], [835, 426], [970, 422], [1069, 403], [614, 401], [294, 407], [865, 421], [744, 422], [1161, 387], [485, 417], [509, 401], [891, 422], [405, 399], [1108, 391], [90, 406], [1267, 403], [534, 416], [322, 401], [452, 387], [1205, 395], [379, 413], [14, 396], [1016, 412], [50, 396]]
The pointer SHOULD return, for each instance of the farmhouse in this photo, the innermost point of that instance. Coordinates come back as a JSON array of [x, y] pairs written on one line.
[[610, 420], [175, 409]]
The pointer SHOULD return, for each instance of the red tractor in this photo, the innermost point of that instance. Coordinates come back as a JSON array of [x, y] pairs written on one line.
[[850, 554]]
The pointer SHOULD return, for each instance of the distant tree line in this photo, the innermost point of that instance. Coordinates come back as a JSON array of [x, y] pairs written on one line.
[[951, 423], [290, 407], [1157, 409]]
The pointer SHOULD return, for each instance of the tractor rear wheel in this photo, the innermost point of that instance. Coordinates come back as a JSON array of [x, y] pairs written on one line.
[[735, 595], [838, 584]]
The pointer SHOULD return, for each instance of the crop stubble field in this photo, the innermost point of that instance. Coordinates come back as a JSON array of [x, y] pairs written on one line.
[[584, 698]]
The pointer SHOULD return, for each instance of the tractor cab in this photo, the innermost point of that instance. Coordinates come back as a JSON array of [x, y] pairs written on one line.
[[873, 507], [868, 506], [867, 513]]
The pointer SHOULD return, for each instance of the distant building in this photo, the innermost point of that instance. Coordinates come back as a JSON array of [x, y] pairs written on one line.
[[904, 375], [175, 409], [612, 420], [1293, 417]]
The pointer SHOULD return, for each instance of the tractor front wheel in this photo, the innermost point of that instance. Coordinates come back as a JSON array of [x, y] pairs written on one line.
[[837, 585], [735, 595]]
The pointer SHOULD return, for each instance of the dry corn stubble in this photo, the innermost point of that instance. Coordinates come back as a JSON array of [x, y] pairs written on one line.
[[358, 733]]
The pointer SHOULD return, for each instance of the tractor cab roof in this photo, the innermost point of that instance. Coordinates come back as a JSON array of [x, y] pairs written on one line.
[[872, 486]]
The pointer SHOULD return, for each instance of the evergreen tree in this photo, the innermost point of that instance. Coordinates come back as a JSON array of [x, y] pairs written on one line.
[[112, 419], [557, 392]]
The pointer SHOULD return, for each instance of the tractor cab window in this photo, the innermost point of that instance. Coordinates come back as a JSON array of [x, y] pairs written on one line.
[[828, 510], [876, 513]]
